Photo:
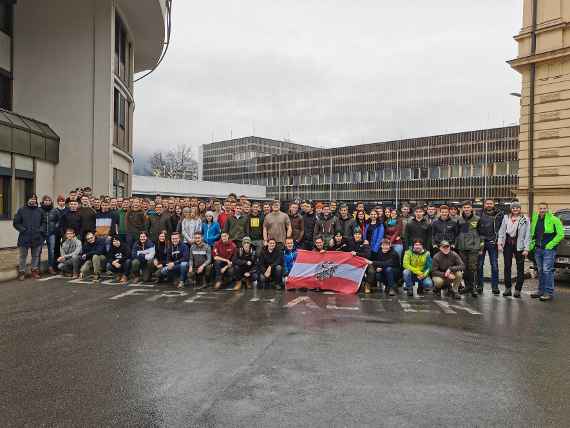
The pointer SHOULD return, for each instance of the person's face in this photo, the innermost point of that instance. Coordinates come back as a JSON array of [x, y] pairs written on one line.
[[385, 247], [360, 216], [344, 212], [90, 238], [542, 210], [85, 201], [357, 236], [418, 248], [113, 204], [104, 207], [61, 203], [406, 211], [289, 244], [360, 207], [194, 202], [238, 210], [431, 211], [217, 205], [97, 204], [275, 207], [338, 238], [489, 205], [161, 237], [145, 205], [319, 244], [453, 211], [394, 214], [225, 237], [209, 218], [136, 204], [158, 208], [444, 213], [125, 204], [294, 208], [373, 215], [320, 210], [246, 208], [72, 195], [515, 211], [175, 239], [271, 245], [227, 206], [73, 205], [171, 207], [158, 199], [178, 210], [419, 214], [266, 208], [116, 243], [48, 202], [445, 249], [327, 211], [255, 209], [333, 206], [467, 210], [70, 234], [246, 246], [143, 237]]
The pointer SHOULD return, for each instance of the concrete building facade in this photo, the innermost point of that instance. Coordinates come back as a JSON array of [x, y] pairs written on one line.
[[446, 168], [544, 63], [69, 66]]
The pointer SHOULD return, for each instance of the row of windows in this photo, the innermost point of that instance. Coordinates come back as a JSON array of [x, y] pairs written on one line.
[[122, 137], [123, 52], [120, 183]]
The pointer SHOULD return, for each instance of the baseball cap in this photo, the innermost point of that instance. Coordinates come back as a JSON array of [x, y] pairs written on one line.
[[444, 244]]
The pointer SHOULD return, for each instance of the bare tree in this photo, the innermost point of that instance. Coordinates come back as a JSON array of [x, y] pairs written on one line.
[[178, 163]]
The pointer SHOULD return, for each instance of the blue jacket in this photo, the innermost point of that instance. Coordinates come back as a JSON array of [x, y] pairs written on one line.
[[289, 257], [32, 224], [147, 251], [211, 232], [374, 236], [178, 253]]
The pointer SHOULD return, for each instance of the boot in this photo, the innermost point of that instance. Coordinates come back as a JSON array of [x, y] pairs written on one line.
[[21, 276], [420, 290], [248, 283], [517, 294], [536, 295], [96, 278], [507, 292], [75, 276], [454, 294], [124, 279], [391, 292], [36, 274], [367, 289], [237, 286], [51, 271], [411, 292], [217, 285]]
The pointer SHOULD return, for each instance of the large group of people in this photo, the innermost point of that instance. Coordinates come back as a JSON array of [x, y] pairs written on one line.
[[238, 243]]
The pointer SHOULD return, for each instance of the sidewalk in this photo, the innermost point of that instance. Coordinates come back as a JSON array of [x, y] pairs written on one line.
[[9, 263]]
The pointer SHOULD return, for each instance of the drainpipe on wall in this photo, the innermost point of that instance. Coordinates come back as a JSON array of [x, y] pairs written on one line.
[[531, 109]]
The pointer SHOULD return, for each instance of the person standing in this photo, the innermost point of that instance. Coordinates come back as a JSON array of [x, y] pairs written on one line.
[[444, 228], [60, 211], [237, 226], [546, 233], [469, 244], [190, 225], [88, 217], [210, 229], [136, 223], [393, 231], [71, 219], [31, 225], [345, 223], [52, 224], [256, 227], [418, 228], [297, 224], [374, 234], [277, 226], [514, 241], [489, 225], [325, 227], [308, 226]]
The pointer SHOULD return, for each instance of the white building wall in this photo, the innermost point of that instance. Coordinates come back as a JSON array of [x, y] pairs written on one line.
[[45, 177]]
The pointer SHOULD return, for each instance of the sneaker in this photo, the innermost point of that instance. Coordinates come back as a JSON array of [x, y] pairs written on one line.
[[437, 293], [180, 284], [474, 293], [52, 271], [410, 292], [237, 286], [546, 298], [420, 291], [496, 291], [21, 276], [517, 294], [454, 294], [536, 295], [75, 276], [367, 289], [217, 285], [507, 292], [479, 290], [391, 292], [96, 278], [124, 279]]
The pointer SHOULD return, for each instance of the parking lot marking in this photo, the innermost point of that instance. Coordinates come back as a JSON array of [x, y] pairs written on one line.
[[131, 292], [332, 305], [168, 295], [302, 299], [49, 278], [448, 308]]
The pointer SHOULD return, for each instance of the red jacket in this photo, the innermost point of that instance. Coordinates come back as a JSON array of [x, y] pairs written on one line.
[[227, 250]]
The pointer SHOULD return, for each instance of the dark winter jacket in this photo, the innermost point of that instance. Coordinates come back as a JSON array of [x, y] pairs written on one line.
[[237, 228], [97, 248], [161, 251], [143, 252], [346, 226], [178, 253], [298, 227], [88, 216], [308, 226], [441, 263], [325, 228], [393, 231], [51, 221], [444, 230], [384, 260], [468, 238], [489, 225], [241, 258], [119, 254], [136, 222], [274, 258], [31, 223], [360, 248], [418, 230], [255, 227], [71, 220]]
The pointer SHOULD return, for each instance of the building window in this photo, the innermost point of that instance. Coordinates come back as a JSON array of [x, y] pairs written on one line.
[[120, 183], [5, 90], [514, 168], [477, 170], [4, 196], [121, 115], [122, 48], [6, 18], [501, 168]]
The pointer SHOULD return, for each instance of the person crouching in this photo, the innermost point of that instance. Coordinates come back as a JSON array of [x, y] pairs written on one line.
[[224, 252], [119, 260], [270, 266], [447, 270], [245, 265]]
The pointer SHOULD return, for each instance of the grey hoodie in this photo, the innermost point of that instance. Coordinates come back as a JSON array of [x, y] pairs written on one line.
[[523, 233], [71, 248]]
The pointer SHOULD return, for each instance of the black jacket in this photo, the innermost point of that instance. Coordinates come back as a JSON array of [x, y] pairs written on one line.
[[71, 220], [309, 226], [120, 254], [360, 248], [346, 226], [384, 260], [418, 230], [489, 225], [241, 258], [31, 223], [267, 259], [161, 252], [97, 248], [444, 230], [51, 220]]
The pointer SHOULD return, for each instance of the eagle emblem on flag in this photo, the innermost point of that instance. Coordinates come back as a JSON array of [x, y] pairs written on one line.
[[326, 270]]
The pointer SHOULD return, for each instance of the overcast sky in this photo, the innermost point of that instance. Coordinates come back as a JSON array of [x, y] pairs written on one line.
[[330, 72]]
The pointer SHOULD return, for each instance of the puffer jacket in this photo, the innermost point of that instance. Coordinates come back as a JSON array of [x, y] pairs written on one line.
[[417, 263], [444, 230], [346, 226], [374, 236], [51, 221], [211, 232], [468, 239], [489, 225], [324, 228], [31, 223]]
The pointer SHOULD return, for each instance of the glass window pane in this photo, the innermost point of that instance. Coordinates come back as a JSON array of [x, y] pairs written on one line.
[[24, 163], [5, 160]]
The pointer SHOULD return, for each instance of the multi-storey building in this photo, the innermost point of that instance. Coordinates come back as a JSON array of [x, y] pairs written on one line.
[[451, 167], [66, 89], [234, 161]]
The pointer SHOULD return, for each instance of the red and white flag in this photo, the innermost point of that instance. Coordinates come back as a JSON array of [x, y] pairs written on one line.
[[333, 270]]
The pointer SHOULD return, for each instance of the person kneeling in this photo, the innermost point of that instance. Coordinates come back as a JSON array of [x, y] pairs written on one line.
[[70, 253], [289, 257], [245, 262], [386, 266], [177, 256], [200, 262], [447, 270], [142, 257], [417, 266], [270, 266], [224, 252], [93, 256], [119, 260]]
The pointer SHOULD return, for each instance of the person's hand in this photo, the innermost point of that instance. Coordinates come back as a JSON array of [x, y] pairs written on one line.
[[229, 263], [378, 269], [447, 272], [323, 251], [224, 269], [366, 242], [190, 269], [267, 273], [369, 262], [451, 276], [116, 264], [500, 247], [60, 259], [525, 253], [331, 242], [353, 253], [265, 243], [84, 256], [170, 266], [200, 269], [420, 276], [247, 274], [481, 252]]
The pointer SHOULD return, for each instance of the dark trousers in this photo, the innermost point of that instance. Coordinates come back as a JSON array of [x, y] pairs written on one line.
[[276, 276], [387, 277], [195, 278], [471, 260], [239, 273], [124, 268], [509, 252], [228, 274]]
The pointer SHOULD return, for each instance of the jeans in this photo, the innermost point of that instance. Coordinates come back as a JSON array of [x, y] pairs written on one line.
[[491, 248], [51, 244], [545, 264], [125, 268], [398, 248], [508, 252], [218, 265], [180, 270], [410, 278], [23, 256], [387, 277]]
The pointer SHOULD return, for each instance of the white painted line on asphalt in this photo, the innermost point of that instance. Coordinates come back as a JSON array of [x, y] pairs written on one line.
[[407, 307], [333, 306], [80, 281], [444, 307], [168, 295], [141, 285], [377, 303], [460, 306], [49, 278], [131, 292]]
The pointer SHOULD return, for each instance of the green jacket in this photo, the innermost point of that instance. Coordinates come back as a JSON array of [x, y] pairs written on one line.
[[417, 263], [553, 231]]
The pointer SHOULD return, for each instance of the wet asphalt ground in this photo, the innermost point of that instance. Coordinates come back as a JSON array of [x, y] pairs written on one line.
[[79, 354]]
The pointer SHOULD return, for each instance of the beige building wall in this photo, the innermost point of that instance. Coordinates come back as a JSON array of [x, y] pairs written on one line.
[[550, 156]]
